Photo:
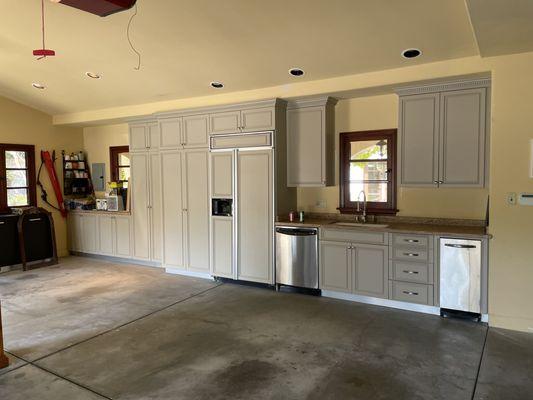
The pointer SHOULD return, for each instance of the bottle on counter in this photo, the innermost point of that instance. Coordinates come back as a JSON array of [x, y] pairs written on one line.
[[292, 216], [301, 216]]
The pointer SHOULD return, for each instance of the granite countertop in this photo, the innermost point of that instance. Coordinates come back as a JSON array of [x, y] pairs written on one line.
[[398, 227], [102, 212]]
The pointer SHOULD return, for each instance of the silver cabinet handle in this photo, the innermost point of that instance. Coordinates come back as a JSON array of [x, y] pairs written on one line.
[[405, 271], [460, 246], [34, 219], [185, 210], [409, 293], [411, 240], [436, 182], [411, 254], [149, 206], [441, 181], [2, 222]]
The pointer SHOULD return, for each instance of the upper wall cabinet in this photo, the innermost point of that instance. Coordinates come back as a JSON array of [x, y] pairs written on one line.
[[311, 142], [247, 120], [443, 135], [184, 132], [144, 136]]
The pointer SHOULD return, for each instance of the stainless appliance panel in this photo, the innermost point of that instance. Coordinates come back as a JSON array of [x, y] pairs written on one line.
[[297, 257], [460, 274]]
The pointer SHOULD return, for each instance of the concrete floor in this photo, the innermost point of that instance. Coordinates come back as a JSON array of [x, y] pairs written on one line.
[[91, 329]]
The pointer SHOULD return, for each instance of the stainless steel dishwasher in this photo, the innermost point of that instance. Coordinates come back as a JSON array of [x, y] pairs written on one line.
[[460, 275], [297, 257]]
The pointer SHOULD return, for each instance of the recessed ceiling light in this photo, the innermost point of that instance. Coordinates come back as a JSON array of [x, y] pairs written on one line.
[[39, 86], [411, 53], [217, 85], [296, 72], [93, 75]]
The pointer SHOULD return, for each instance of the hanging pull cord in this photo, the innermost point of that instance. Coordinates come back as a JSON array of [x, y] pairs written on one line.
[[42, 28], [138, 67]]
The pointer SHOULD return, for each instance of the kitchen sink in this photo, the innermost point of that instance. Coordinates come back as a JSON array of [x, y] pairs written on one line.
[[360, 225]]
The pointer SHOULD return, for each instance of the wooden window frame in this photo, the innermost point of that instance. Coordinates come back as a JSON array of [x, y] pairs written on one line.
[[349, 207], [30, 167], [114, 151]]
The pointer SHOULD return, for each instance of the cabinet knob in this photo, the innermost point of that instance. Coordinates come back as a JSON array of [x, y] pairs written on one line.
[[409, 293], [441, 182], [436, 182]]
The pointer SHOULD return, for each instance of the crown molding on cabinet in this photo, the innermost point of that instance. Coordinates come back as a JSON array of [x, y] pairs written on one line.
[[312, 102], [444, 87]]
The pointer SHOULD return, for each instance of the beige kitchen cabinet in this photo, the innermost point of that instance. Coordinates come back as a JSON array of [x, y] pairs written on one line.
[[184, 132], [311, 142], [105, 235], [185, 199], [370, 270], [335, 266], [173, 209], [222, 174], [114, 235], [443, 138], [145, 189], [255, 216], [74, 229], [221, 259], [89, 232], [246, 120], [144, 136]]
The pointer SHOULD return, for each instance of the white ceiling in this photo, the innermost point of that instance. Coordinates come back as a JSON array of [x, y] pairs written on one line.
[[185, 44]]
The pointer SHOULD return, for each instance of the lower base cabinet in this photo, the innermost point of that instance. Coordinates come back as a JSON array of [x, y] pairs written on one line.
[[354, 268], [108, 235]]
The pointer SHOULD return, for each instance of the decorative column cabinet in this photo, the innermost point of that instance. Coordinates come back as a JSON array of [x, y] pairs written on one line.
[[443, 134]]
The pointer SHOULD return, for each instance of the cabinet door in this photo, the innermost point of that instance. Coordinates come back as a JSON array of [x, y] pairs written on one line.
[[258, 119], [153, 136], [222, 247], [254, 216], [335, 266], [138, 140], [306, 131], [172, 206], [75, 232], [139, 205], [122, 236], [419, 140], [89, 234], [105, 235], [196, 131], [196, 204], [462, 149], [170, 133], [225, 122], [155, 207], [370, 270], [222, 175]]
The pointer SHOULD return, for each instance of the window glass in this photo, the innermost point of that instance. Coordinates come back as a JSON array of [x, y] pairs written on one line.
[[124, 159], [17, 197], [16, 178], [369, 150]]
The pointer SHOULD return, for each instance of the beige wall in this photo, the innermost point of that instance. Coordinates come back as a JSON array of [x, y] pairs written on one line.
[[23, 125], [98, 139], [381, 112]]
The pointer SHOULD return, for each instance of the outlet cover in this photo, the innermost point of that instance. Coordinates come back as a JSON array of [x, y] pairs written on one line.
[[321, 204], [511, 198]]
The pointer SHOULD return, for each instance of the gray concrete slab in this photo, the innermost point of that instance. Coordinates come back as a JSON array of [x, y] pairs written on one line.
[[48, 309], [29, 382], [14, 363], [506, 371], [237, 342]]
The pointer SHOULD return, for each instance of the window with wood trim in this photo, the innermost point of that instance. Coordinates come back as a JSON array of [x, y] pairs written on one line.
[[368, 163], [17, 176], [120, 163]]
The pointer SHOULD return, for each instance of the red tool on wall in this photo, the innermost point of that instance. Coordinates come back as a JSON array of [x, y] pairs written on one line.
[[48, 162]]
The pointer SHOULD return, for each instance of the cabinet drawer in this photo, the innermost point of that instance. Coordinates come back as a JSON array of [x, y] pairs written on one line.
[[414, 241], [354, 236], [411, 292], [412, 272], [412, 254]]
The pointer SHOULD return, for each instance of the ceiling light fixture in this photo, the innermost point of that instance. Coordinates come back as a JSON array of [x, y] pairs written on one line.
[[296, 72], [411, 53], [217, 85], [39, 86], [93, 75]]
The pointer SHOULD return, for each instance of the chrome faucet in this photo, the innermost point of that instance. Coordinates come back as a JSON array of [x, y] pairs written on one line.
[[363, 216]]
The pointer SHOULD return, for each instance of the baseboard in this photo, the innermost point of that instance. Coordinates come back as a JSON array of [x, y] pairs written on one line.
[[122, 260], [176, 271]]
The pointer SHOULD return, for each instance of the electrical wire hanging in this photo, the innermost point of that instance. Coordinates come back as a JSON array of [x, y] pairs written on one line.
[[138, 67]]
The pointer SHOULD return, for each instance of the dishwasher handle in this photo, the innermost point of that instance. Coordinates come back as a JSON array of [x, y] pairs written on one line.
[[460, 246], [296, 232]]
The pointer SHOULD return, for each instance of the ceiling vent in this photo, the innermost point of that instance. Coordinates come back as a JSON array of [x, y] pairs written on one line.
[[103, 8]]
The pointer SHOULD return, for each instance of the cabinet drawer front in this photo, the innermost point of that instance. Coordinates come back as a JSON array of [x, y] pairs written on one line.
[[353, 236], [412, 272], [412, 254], [414, 241], [263, 139], [412, 292]]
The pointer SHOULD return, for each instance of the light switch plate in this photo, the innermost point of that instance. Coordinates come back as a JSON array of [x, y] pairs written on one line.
[[511, 198], [321, 204]]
